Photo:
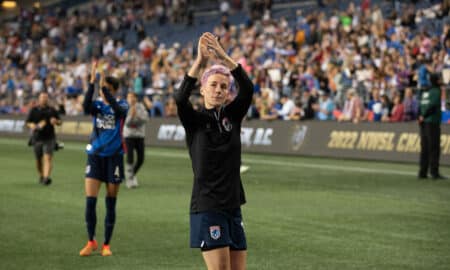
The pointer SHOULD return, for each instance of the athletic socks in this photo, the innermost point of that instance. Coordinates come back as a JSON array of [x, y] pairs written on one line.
[[110, 218], [91, 216]]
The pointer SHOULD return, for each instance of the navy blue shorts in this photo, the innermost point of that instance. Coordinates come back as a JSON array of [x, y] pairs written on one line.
[[105, 169], [216, 229]]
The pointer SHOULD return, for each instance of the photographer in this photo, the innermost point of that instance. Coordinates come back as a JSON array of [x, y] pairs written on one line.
[[41, 121]]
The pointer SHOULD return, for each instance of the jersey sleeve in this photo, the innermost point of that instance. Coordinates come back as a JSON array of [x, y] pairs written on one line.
[[88, 104], [31, 116], [120, 109], [186, 112], [239, 106]]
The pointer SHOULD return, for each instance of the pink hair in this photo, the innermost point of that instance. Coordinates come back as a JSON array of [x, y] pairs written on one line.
[[218, 69]]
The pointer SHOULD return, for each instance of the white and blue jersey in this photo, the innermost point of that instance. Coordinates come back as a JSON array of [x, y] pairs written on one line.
[[106, 138]]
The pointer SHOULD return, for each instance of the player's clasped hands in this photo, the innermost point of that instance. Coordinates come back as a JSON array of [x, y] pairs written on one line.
[[209, 46], [93, 75], [93, 71]]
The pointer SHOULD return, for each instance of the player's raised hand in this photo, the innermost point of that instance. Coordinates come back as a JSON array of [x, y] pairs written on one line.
[[202, 50], [213, 45], [93, 71], [102, 78], [202, 57]]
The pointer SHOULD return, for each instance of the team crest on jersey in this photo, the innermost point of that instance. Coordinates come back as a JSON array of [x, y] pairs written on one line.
[[88, 168], [214, 231], [226, 124], [106, 121]]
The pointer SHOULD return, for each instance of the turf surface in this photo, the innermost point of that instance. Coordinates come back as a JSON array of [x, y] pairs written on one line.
[[302, 213]]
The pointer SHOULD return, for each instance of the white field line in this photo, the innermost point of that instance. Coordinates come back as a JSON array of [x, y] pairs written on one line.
[[344, 168]]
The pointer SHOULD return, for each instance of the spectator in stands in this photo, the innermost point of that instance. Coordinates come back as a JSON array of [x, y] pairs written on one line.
[[374, 106], [423, 72], [73, 105], [253, 112], [353, 108], [386, 108], [157, 107], [170, 107], [309, 101], [266, 105], [297, 113], [224, 8], [446, 64], [410, 105], [398, 110], [287, 106], [326, 106], [138, 84]]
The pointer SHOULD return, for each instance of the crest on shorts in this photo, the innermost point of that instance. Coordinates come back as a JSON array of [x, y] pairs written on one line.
[[214, 231]]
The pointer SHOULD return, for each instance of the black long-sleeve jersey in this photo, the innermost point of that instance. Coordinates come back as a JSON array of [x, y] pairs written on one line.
[[214, 141]]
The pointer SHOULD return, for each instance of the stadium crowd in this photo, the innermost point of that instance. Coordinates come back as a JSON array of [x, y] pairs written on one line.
[[353, 64]]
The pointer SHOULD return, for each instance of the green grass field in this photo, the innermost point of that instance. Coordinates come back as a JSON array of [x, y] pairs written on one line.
[[302, 213]]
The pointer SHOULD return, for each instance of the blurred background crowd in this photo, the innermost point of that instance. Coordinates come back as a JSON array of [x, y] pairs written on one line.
[[353, 61]]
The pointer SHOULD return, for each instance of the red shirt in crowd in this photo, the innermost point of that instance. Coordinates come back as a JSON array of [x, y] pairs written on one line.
[[397, 113]]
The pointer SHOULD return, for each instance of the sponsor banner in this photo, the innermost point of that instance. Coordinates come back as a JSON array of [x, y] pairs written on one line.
[[372, 141], [12, 126], [72, 128], [375, 141]]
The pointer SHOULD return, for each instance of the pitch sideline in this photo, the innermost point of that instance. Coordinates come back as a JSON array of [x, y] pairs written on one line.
[[343, 168]]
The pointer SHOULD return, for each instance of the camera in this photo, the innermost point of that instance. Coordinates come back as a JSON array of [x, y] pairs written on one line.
[[32, 139], [59, 146]]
